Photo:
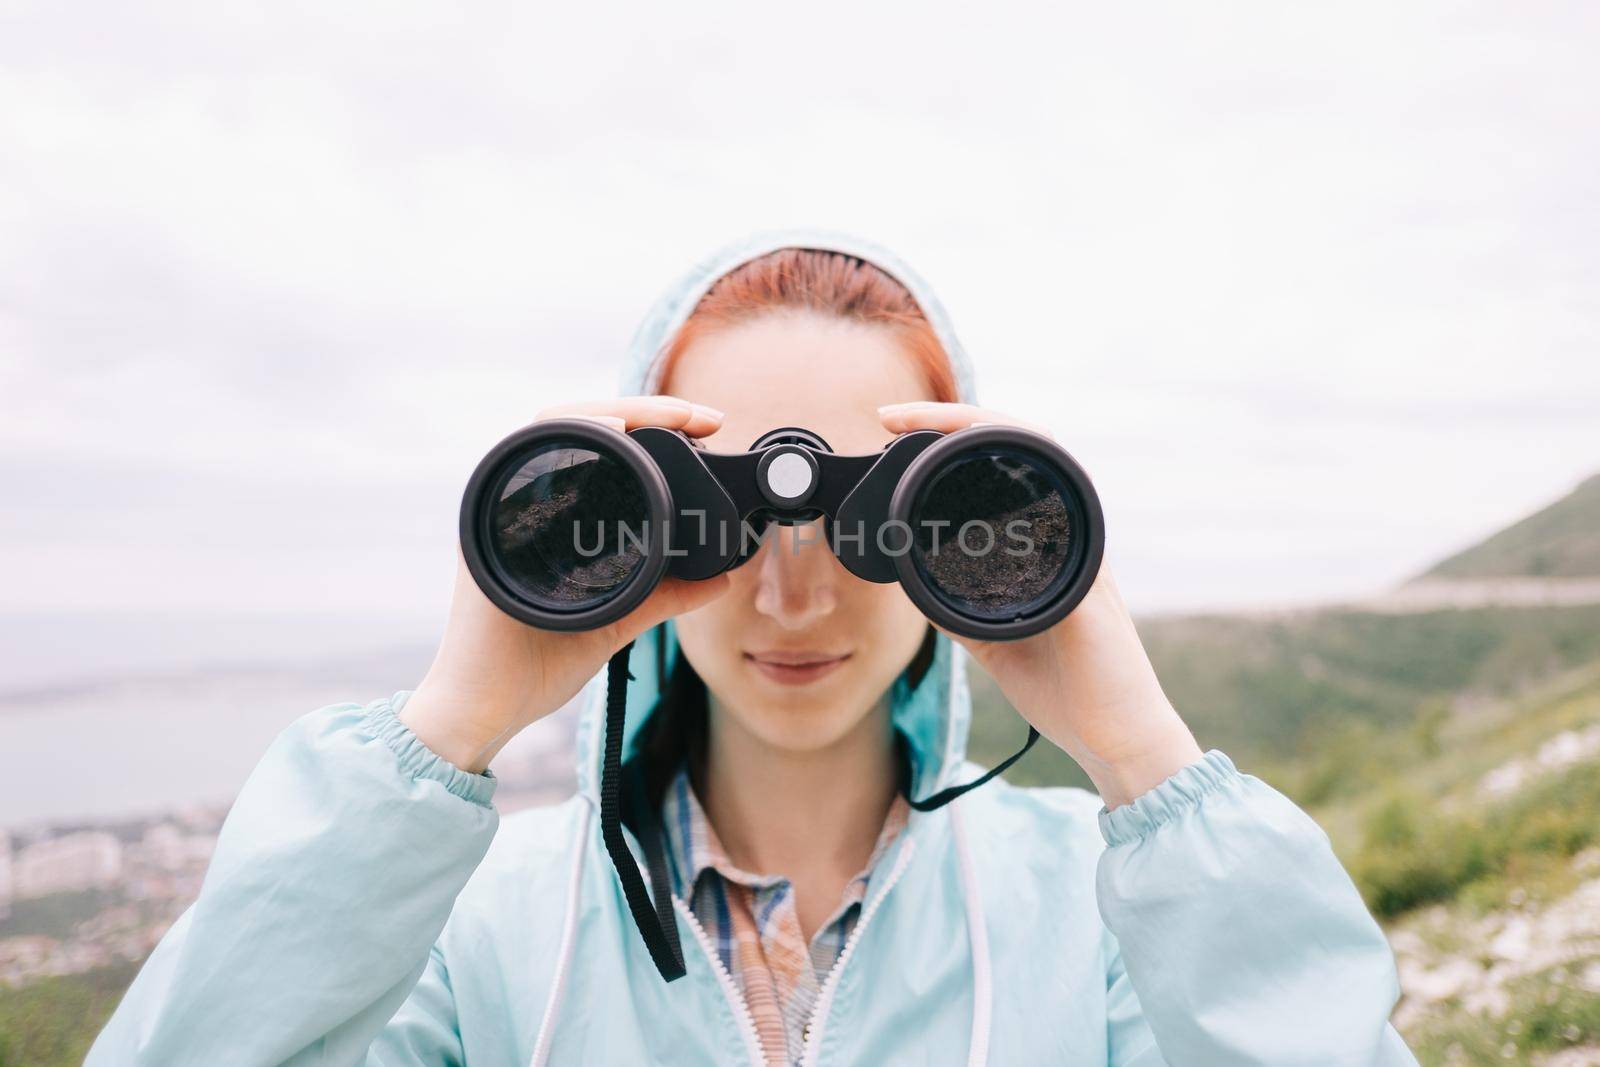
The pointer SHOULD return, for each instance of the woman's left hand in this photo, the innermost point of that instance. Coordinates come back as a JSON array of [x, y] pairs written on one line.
[[1085, 683]]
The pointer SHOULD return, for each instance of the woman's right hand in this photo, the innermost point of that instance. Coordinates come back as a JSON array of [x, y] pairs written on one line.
[[493, 675]]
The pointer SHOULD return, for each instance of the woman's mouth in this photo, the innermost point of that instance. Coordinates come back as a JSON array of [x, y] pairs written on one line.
[[795, 668]]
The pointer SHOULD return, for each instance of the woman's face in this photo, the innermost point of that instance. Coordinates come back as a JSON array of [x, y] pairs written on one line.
[[800, 649]]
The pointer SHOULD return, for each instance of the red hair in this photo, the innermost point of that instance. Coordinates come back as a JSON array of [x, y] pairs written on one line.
[[830, 283]]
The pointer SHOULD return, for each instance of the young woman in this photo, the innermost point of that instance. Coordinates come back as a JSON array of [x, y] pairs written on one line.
[[366, 906]]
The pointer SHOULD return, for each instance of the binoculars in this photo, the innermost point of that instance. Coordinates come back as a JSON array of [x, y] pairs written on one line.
[[994, 532]]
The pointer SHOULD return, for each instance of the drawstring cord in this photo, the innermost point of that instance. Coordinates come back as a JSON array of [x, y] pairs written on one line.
[[978, 940], [569, 937]]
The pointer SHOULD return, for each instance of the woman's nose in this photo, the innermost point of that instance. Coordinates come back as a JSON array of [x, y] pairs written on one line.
[[795, 575]]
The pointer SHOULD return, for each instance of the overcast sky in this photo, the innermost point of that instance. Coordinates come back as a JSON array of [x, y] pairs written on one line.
[[1312, 292]]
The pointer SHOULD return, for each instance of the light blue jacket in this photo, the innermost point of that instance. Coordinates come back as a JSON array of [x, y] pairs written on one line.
[[367, 906]]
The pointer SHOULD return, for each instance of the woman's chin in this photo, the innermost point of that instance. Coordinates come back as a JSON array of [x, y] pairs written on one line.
[[803, 718]]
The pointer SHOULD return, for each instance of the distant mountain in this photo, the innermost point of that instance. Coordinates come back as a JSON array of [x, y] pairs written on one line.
[[1330, 701], [1560, 541]]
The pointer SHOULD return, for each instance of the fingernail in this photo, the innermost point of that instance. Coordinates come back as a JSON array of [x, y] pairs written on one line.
[[707, 409]]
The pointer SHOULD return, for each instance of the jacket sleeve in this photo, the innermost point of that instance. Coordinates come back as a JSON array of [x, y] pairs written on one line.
[[1241, 939], [333, 875]]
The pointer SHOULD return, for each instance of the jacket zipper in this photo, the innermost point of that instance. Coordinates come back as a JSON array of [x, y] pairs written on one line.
[[741, 1010], [812, 1048]]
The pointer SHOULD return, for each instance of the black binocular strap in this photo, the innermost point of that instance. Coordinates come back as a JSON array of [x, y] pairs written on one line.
[[657, 924], [945, 796]]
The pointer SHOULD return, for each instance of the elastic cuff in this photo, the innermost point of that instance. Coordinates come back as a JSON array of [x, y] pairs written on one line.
[[417, 760], [1179, 794]]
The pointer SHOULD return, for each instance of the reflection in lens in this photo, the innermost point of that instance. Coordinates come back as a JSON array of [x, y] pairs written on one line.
[[992, 533], [570, 526]]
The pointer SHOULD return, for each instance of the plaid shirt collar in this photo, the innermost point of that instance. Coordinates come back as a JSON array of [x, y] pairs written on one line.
[[752, 925], [694, 849]]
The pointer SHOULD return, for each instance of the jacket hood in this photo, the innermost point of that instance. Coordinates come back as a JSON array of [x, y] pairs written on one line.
[[935, 715]]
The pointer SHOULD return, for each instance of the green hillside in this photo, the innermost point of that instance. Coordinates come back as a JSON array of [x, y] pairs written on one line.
[[1561, 541], [1329, 701], [52, 1022], [1334, 700]]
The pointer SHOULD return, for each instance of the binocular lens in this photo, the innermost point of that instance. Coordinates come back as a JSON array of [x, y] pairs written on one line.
[[569, 526], [992, 533]]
